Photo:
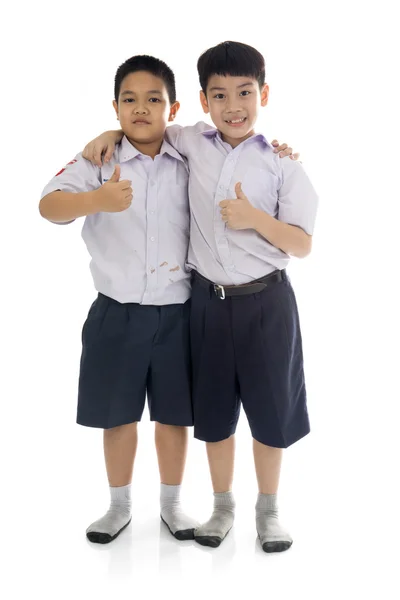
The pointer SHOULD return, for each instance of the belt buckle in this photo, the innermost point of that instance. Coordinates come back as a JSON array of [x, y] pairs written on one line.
[[219, 291]]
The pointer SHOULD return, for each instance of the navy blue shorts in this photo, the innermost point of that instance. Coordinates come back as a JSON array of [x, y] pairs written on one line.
[[131, 349], [248, 350]]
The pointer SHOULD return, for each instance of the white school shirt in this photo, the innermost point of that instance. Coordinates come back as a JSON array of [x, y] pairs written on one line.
[[278, 186], [137, 255]]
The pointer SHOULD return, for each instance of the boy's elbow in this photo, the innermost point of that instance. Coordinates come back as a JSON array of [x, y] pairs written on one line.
[[47, 206], [46, 210], [42, 208], [305, 247]]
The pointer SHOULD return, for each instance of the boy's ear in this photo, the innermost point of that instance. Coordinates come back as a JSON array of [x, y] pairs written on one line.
[[204, 103], [264, 95], [174, 109], [115, 105]]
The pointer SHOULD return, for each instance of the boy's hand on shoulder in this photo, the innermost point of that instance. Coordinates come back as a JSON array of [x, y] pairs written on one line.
[[284, 150], [102, 146], [114, 195], [239, 213]]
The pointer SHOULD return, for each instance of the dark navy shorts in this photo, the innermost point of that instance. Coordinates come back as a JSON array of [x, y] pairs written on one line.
[[247, 350], [130, 350]]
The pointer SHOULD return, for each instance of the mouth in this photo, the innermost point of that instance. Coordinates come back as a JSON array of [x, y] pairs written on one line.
[[236, 122], [141, 122]]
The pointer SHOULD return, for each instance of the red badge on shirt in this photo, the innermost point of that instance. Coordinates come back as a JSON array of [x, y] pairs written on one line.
[[62, 170]]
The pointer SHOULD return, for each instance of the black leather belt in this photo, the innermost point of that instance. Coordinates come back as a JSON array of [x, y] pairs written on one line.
[[258, 285]]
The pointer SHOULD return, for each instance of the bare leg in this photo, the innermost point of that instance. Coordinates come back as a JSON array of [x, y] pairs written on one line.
[[221, 458], [171, 446], [267, 461], [120, 444]]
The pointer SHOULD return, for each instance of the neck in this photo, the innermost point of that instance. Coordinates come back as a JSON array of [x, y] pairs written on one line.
[[149, 148]]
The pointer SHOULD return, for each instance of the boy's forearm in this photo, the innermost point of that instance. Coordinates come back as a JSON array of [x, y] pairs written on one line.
[[117, 133], [63, 207], [288, 238]]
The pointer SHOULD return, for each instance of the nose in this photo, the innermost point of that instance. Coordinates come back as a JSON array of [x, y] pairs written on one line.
[[140, 109], [233, 106]]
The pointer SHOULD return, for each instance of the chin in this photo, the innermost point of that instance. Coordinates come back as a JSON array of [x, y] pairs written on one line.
[[140, 136]]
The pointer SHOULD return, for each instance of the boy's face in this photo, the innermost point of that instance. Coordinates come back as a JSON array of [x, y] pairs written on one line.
[[233, 104], [143, 107]]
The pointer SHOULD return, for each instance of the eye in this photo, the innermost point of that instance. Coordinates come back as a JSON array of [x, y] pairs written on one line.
[[154, 100], [127, 100], [245, 93], [219, 96]]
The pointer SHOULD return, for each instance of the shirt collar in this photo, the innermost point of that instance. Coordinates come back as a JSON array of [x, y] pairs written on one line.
[[212, 132], [127, 151], [166, 148]]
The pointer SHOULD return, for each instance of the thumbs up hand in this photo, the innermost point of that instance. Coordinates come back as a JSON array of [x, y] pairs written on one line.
[[239, 213], [114, 195], [116, 175]]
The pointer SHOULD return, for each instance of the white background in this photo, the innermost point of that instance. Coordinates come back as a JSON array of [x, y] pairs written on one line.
[[333, 75]]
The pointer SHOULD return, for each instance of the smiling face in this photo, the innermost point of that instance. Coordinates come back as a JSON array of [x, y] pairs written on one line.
[[233, 104], [143, 108]]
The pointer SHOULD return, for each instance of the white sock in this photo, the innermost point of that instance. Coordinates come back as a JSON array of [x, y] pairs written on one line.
[[117, 517], [214, 531], [273, 537], [180, 525]]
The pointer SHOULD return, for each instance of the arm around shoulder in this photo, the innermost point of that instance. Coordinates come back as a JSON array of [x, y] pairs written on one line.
[[185, 139]]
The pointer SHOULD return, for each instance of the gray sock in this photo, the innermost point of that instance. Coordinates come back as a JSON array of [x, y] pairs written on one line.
[[118, 516], [216, 529], [273, 537], [180, 525]]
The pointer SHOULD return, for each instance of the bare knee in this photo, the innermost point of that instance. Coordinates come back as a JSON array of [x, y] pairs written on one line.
[[163, 427], [121, 430], [170, 432]]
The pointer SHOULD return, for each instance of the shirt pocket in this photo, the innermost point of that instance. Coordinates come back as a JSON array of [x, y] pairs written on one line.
[[261, 188]]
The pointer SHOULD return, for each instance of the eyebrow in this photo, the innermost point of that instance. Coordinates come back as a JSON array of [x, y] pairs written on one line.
[[127, 92], [213, 89]]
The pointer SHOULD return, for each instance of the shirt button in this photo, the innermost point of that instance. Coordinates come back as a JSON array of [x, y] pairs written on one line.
[[152, 238], [152, 212], [221, 187]]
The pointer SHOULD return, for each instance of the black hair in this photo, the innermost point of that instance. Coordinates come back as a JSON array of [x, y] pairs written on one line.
[[152, 65], [231, 58]]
